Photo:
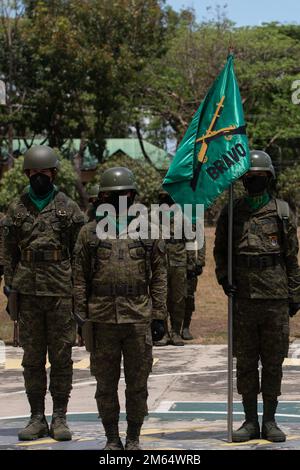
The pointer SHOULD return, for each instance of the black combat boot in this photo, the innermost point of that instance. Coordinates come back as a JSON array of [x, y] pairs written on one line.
[[162, 342], [133, 435], [270, 430], [59, 429], [250, 428], [165, 339], [175, 337], [37, 426], [186, 334], [112, 435]]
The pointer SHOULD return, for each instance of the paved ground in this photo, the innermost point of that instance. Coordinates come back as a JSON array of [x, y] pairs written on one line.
[[187, 402]]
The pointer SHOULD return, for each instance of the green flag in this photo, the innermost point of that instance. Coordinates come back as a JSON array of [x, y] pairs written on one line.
[[214, 151]]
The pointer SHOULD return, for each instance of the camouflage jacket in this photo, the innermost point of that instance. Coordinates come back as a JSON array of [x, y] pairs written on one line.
[[182, 252], [39, 245], [119, 280], [256, 234]]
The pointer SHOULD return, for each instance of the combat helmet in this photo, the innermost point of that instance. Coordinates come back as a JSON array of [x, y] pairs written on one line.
[[261, 161], [117, 178], [93, 191], [40, 157]]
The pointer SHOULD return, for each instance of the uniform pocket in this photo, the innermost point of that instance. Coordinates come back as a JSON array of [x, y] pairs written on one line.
[[269, 228], [103, 252], [137, 253]]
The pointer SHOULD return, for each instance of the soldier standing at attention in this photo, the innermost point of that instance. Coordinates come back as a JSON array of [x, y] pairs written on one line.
[[195, 265], [177, 278], [267, 292], [40, 231], [120, 288]]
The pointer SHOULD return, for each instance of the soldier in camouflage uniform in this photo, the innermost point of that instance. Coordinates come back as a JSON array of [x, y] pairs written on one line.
[[120, 287], [40, 231], [195, 265], [267, 292], [177, 259]]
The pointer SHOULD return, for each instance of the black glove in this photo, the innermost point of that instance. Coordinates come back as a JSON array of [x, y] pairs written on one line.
[[293, 308], [198, 270], [229, 289], [6, 290], [79, 320], [157, 330], [190, 274]]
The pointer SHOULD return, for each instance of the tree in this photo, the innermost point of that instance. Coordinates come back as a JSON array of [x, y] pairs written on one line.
[[120, 38], [82, 61], [288, 186], [11, 67], [267, 62]]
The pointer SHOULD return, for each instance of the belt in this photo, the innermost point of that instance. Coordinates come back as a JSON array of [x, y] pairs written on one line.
[[122, 290], [258, 261], [44, 255]]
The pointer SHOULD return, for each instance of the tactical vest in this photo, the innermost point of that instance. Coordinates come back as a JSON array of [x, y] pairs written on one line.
[[54, 224], [119, 267], [262, 240]]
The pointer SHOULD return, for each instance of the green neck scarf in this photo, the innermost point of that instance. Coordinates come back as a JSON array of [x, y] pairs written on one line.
[[41, 202], [256, 202]]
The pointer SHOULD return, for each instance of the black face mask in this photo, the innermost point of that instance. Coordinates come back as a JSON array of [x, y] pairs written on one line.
[[256, 184], [41, 184], [113, 199]]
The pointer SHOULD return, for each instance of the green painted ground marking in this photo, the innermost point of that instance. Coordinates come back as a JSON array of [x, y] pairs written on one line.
[[188, 411]]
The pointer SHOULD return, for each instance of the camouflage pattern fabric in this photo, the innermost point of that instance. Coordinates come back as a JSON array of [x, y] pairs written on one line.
[[195, 258], [120, 285], [44, 285], [260, 233], [261, 332], [177, 291], [113, 264], [56, 227], [134, 343], [261, 320], [46, 325]]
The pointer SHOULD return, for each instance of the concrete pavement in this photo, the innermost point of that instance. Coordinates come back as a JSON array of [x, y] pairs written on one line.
[[187, 402]]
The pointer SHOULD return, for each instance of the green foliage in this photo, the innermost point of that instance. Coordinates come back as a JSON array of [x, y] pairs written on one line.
[[75, 67], [147, 178], [267, 62], [288, 186], [14, 182], [94, 69]]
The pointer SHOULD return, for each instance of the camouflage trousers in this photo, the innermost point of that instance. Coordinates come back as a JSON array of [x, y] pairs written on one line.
[[177, 290], [46, 326], [134, 343], [261, 333], [190, 300]]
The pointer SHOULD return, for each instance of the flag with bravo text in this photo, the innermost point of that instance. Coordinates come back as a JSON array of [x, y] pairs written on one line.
[[214, 151]]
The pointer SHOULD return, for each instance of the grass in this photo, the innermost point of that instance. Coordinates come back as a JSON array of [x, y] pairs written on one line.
[[209, 324]]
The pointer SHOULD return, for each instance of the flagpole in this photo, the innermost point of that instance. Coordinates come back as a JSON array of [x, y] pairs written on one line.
[[230, 316]]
